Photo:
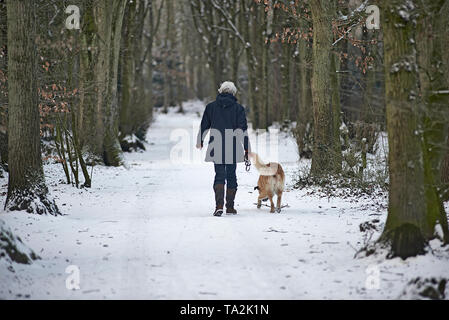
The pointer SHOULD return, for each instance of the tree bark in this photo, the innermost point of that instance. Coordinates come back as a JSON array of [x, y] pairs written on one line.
[[168, 47], [98, 111], [134, 107], [444, 28], [445, 175], [431, 35], [304, 120], [128, 68], [251, 63], [325, 159], [3, 87], [336, 117], [112, 152], [154, 22], [285, 86], [26, 187], [265, 92], [410, 223]]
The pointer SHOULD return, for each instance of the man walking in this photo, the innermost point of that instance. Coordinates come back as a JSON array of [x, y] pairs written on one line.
[[225, 119]]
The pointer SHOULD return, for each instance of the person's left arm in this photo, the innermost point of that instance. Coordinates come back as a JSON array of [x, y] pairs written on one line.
[[243, 125]]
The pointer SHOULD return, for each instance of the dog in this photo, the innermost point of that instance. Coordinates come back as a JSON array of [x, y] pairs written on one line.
[[271, 182]]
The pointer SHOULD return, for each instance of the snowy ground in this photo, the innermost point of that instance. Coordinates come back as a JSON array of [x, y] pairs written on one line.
[[145, 231]]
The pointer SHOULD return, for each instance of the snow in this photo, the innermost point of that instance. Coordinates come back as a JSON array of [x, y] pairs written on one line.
[[12, 248], [358, 10], [404, 15], [146, 231]]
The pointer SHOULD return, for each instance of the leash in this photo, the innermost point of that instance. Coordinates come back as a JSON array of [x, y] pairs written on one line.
[[247, 165]]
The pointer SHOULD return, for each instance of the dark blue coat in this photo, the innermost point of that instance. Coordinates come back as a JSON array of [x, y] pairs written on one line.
[[225, 119]]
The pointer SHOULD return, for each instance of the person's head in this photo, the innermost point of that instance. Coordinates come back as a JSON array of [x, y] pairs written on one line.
[[228, 87]]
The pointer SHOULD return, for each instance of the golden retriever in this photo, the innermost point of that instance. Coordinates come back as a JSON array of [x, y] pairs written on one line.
[[271, 182]]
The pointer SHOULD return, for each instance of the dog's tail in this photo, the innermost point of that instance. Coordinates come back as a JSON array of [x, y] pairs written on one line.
[[264, 169], [257, 161]]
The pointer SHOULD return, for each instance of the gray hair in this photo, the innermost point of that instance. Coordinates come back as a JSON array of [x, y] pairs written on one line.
[[228, 87]]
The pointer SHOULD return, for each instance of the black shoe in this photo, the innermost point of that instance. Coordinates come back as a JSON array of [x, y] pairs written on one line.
[[218, 212]]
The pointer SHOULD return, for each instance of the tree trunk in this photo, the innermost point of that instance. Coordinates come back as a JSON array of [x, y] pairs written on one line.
[[98, 111], [325, 160], [127, 74], [285, 76], [336, 117], [265, 120], [112, 152], [250, 61], [409, 223], [444, 28], [199, 72], [26, 187], [304, 117], [154, 26], [134, 109], [431, 34], [445, 175], [3, 87], [167, 61], [258, 38]]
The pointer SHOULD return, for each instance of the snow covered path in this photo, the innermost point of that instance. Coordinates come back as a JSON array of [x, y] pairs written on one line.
[[146, 232]]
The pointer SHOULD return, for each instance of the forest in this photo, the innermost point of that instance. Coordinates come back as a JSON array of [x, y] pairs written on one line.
[[95, 93]]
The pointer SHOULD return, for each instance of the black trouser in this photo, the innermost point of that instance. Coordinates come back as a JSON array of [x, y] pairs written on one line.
[[226, 172]]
